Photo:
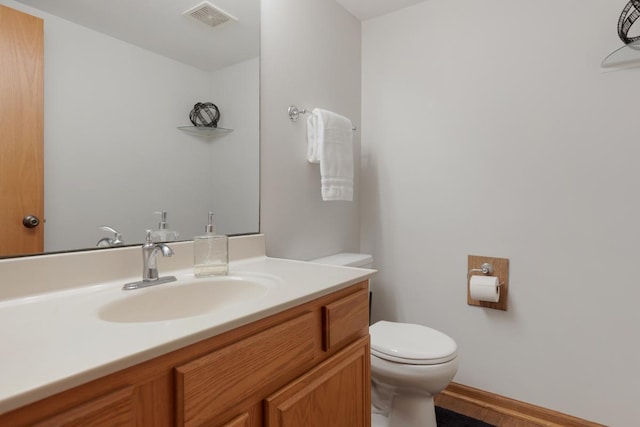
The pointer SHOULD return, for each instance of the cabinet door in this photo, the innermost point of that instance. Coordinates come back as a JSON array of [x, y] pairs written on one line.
[[336, 393], [239, 421]]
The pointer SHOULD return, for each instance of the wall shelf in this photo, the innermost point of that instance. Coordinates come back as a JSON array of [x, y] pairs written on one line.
[[205, 131], [628, 56]]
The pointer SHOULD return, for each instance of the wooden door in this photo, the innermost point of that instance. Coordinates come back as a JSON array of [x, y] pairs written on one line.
[[337, 393], [21, 131]]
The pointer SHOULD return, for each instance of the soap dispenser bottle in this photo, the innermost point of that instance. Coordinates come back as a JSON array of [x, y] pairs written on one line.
[[211, 252], [163, 233]]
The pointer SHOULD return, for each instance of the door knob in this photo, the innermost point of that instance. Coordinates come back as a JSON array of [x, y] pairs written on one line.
[[30, 221]]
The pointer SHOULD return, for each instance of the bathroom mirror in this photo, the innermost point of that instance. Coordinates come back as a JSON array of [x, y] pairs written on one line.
[[121, 77]]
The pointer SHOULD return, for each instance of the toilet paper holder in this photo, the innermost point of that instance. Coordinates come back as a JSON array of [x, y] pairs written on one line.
[[489, 266], [486, 269]]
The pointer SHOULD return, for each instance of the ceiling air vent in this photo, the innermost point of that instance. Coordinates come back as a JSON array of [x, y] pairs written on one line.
[[209, 14]]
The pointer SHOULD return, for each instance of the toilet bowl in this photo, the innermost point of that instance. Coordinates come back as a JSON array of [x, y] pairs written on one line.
[[410, 364]]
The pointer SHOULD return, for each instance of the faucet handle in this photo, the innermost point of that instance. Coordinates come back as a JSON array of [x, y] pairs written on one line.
[[148, 240]]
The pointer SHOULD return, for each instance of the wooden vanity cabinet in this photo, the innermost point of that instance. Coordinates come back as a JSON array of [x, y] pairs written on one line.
[[306, 366]]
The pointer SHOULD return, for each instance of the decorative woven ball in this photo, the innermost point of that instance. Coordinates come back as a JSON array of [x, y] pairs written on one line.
[[205, 114]]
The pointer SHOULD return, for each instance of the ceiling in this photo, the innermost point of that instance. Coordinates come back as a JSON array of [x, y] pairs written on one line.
[[367, 9], [159, 26]]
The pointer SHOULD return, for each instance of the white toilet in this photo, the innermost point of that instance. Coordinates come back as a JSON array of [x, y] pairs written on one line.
[[410, 364]]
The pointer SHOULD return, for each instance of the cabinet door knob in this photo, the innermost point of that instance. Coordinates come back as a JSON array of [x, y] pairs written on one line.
[[30, 221]]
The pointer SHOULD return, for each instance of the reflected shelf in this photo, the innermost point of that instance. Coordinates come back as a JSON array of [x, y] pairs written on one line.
[[628, 56], [205, 131]]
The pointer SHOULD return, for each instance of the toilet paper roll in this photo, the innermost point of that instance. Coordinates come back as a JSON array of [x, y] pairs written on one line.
[[485, 288]]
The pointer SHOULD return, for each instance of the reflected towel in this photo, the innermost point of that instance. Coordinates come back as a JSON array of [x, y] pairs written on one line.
[[330, 143]]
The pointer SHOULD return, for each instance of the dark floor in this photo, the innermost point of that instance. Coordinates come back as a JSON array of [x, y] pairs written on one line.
[[446, 418]]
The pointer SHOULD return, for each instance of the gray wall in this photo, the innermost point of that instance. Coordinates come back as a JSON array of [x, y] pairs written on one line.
[[311, 58]]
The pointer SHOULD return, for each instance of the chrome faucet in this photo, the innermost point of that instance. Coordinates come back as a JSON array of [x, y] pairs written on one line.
[[150, 276], [109, 242]]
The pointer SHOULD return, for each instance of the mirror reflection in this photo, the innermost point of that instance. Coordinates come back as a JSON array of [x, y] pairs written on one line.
[[120, 78]]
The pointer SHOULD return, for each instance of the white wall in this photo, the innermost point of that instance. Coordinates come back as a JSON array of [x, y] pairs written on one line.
[[488, 129], [311, 58], [113, 154]]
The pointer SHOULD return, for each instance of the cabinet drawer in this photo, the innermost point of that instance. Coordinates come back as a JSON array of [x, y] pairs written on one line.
[[208, 386], [113, 409], [344, 318]]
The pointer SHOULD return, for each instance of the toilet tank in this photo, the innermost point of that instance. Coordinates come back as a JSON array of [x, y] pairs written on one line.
[[347, 259]]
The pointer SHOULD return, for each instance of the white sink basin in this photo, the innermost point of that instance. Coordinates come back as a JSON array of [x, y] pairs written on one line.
[[187, 298]]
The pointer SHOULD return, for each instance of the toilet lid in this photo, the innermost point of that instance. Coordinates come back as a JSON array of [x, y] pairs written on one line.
[[411, 344]]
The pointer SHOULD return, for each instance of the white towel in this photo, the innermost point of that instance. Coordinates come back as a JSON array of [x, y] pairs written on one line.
[[330, 143]]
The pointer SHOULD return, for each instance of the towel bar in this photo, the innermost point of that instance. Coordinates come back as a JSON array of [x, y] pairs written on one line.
[[294, 113]]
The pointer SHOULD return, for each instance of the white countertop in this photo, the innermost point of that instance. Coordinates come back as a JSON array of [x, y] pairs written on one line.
[[56, 340]]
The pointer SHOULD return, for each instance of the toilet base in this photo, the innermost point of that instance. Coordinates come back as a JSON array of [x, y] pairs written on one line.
[[407, 411], [412, 411]]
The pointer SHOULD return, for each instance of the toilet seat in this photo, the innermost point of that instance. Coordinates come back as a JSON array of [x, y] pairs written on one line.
[[411, 344]]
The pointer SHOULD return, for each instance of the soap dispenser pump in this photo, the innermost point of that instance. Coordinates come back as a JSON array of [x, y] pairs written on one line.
[[211, 252], [163, 233]]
